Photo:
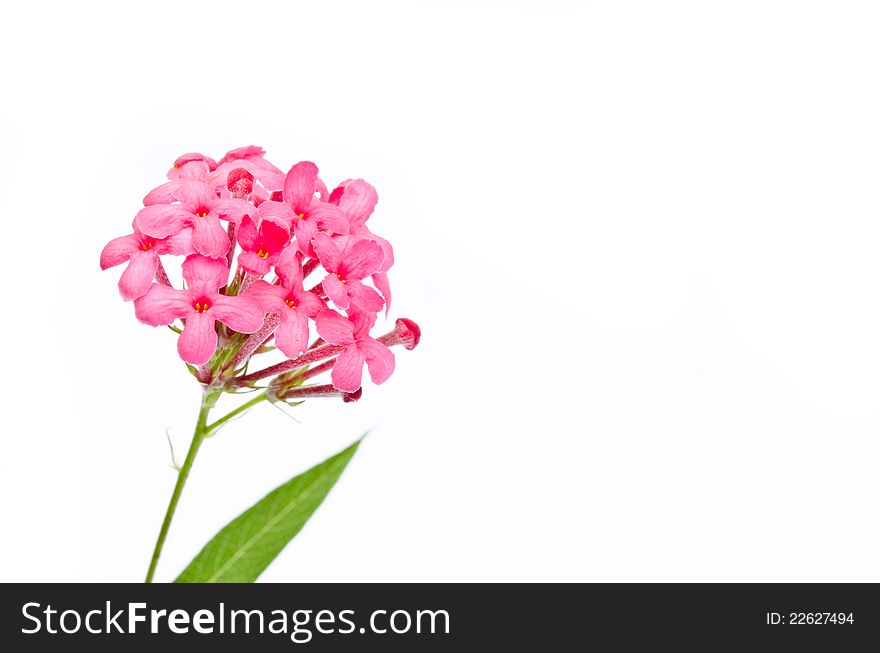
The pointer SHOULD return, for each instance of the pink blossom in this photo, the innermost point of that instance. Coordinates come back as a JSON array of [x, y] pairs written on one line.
[[199, 208], [268, 179], [287, 222], [200, 305], [187, 167], [353, 334], [290, 301], [192, 165], [311, 215], [261, 245], [348, 260], [357, 199], [142, 254], [252, 159], [197, 167]]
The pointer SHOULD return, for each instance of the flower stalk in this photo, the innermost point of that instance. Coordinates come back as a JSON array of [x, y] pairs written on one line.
[[209, 398]]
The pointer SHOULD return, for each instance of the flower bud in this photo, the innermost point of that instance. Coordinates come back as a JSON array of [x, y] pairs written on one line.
[[406, 333], [240, 183]]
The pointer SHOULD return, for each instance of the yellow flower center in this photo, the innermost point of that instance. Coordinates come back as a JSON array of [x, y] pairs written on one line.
[[341, 280], [262, 254], [290, 303], [202, 214], [201, 307], [147, 246]]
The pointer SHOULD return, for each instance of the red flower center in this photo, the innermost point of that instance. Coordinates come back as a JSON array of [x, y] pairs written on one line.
[[201, 306], [202, 213], [147, 245], [262, 253], [341, 280], [290, 303]]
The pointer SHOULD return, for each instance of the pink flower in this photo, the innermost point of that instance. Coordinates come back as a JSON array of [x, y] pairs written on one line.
[[311, 215], [187, 167], [199, 208], [217, 177], [353, 334], [268, 179], [357, 199], [200, 305], [261, 246], [293, 304], [252, 153], [142, 254], [192, 165], [348, 260], [251, 158]]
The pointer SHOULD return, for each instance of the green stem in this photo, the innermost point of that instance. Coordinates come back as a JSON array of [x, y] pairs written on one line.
[[209, 430], [209, 398]]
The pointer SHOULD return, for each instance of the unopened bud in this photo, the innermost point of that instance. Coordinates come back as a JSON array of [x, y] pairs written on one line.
[[302, 393], [240, 183], [406, 333]]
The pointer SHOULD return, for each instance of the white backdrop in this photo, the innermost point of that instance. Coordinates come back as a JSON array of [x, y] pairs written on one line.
[[640, 239]]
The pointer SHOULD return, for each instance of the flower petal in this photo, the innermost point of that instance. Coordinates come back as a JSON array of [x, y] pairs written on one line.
[[292, 334], [209, 237], [162, 220], [304, 231], [363, 322], [384, 244], [289, 268], [361, 260], [277, 212], [362, 297], [192, 156], [198, 341], [196, 196], [328, 217], [380, 280], [334, 328], [139, 274], [161, 305], [119, 250], [240, 313], [358, 201], [328, 252], [271, 298], [233, 209], [336, 291], [308, 303], [300, 185], [322, 190], [163, 194], [247, 234], [380, 359], [274, 237], [204, 275], [253, 263], [179, 244], [348, 369]]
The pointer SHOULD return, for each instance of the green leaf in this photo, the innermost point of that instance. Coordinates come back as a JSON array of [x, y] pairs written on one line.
[[243, 549]]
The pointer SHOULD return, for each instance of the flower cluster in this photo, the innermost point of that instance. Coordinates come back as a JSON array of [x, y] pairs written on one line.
[[252, 235]]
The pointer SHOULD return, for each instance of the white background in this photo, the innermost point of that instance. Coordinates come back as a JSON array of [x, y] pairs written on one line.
[[640, 239]]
